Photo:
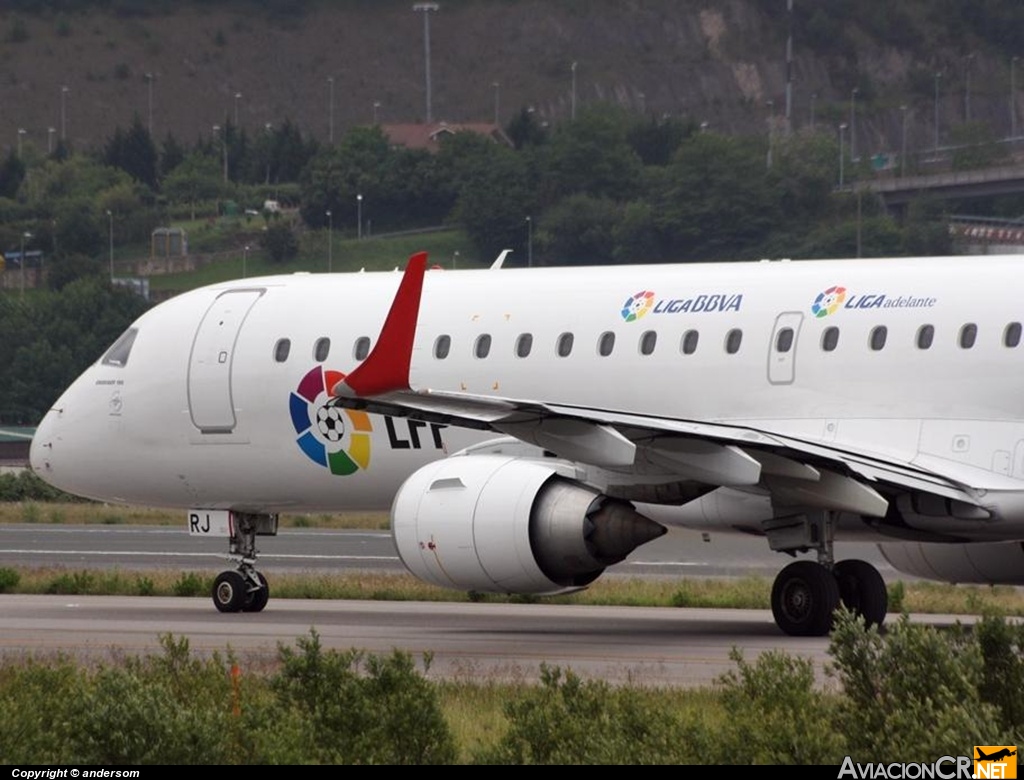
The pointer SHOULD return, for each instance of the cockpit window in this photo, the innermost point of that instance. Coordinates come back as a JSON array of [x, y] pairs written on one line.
[[118, 354]]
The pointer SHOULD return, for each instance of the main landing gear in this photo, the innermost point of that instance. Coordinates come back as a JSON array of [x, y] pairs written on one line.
[[244, 589], [807, 593]]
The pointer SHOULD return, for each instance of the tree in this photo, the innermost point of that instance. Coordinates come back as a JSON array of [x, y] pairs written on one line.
[[197, 178], [280, 242], [12, 173], [580, 230], [134, 153]]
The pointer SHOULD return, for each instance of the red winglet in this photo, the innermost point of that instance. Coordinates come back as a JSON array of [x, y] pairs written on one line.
[[386, 368]]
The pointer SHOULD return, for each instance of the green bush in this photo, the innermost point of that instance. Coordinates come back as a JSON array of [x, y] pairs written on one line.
[[914, 693], [361, 710], [9, 579], [73, 583], [566, 720], [190, 584], [1002, 652]]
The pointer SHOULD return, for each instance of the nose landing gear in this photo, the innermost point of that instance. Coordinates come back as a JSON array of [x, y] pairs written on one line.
[[244, 589]]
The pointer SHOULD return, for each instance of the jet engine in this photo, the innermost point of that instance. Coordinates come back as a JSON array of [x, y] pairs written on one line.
[[501, 524], [980, 562]]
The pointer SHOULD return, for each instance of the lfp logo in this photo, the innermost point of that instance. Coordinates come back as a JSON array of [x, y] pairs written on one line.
[[321, 428], [828, 302], [637, 305]]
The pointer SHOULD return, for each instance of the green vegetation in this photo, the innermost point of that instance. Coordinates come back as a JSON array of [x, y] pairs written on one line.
[[912, 693]]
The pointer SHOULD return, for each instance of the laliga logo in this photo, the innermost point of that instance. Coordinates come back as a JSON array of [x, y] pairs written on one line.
[[637, 305], [828, 302], [321, 427]]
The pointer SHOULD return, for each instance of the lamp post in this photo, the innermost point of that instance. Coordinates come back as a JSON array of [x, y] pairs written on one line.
[[149, 80], [853, 123], [937, 77], [842, 132], [49, 139], [245, 260], [814, 98], [1013, 96], [376, 106], [426, 8], [330, 109], [63, 113], [572, 102], [110, 222], [269, 128], [497, 88], [771, 128], [23, 237], [903, 146], [529, 242], [238, 96], [359, 216], [223, 149], [21, 134], [968, 60], [330, 240]]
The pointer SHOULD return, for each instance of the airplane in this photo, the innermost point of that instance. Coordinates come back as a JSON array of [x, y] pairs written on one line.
[[530, 427], [1001, 753]]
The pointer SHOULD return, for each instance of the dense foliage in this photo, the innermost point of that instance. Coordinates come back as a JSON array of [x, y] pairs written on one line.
[[910, 693]]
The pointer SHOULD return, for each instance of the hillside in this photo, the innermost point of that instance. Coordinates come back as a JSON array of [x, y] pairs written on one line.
[[719, 61]]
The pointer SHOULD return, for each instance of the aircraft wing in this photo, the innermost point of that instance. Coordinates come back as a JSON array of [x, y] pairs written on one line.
[[649, 447]]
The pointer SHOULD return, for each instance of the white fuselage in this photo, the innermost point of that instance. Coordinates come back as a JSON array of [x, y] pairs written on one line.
[[201, 414]]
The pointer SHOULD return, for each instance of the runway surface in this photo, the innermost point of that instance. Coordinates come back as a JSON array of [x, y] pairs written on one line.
[[478, 642]]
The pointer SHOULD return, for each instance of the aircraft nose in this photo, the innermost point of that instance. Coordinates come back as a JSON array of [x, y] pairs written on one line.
[[41, 449]]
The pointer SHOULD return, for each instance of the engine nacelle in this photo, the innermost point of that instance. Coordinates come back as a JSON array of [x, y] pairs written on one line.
[[500, 524], [990, 563]]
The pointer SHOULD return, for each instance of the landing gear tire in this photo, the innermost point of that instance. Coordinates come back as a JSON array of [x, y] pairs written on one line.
[[862, 590], [256, 600], [230, 591], [804, 596]]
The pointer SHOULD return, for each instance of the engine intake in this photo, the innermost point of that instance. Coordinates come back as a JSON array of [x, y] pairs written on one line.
[[505, 525]]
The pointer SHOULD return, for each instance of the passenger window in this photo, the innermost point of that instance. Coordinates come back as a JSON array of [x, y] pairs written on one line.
[[361, 348], [968, 334], [281, 350], [482, 347], [878, 336], [524, 344], [1011, 336], [648, 342], [830, 338], [925, 336], [118, 353], [442, 346], [733, 339], [606, 344], [784, 341], [565, 345], [689, 343], [321, 349]]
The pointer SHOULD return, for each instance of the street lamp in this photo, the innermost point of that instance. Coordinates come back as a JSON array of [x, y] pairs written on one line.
[[853, 123], [937, 77], [359, 216], [572, 103], [529, 242], [497, 88], [245, 260], [903, 151], [223, 149], [1013, 96], [330, 109], [376, 106], [968, 60], [268, 127], [771, 128], [426, 8], [330, 240], [23, 237], [842, 131], [49, 139], [149, 79], [21, 134], [110, 220], [63, 113], [814, 97], [238, 96]]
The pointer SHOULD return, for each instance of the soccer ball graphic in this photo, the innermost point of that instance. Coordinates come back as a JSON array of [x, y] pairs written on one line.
[[330, 423]]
